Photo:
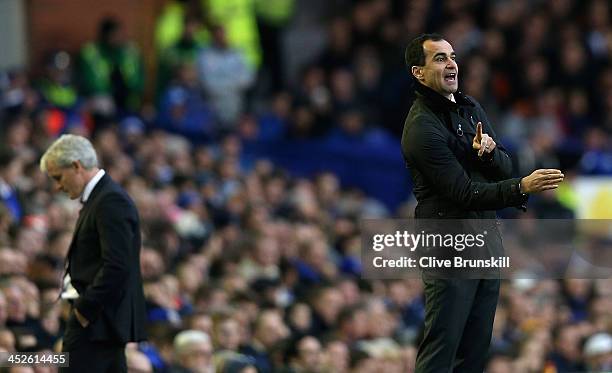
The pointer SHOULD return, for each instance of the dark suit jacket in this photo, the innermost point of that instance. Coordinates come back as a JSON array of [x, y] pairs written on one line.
[[104, 265], [450, 180]]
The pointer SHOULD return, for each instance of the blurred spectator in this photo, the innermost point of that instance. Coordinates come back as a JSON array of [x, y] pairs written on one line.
[[327, 303], [235, 363], [314, 95], [353, 325], [578, 293], [406, 297], [264, 261], [159, 348], [368, 74], [183, 52], [305, 356], [18, 96], [366, 20], [29, 335], [567, 355], [193, 351], [336, 356], [598, 352], [111, 71], [6, 221], [172, 21], [227, 333], [273, 124], [224, 76], [183, 109], [57, 87], [338, 52], [10, 170], [596, 159], [18, 131], [250, 225], [269, 330], [239, 20], [272, 18]]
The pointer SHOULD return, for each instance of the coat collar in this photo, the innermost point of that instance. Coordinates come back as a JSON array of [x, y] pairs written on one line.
[[98, 186], [437, 102], [91, 185]]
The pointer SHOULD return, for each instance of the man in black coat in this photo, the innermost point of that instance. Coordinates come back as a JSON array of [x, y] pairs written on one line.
[[103, 281], [460, 171]]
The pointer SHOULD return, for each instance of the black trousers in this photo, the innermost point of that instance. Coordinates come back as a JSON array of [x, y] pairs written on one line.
[[91, 356], [459, 316]]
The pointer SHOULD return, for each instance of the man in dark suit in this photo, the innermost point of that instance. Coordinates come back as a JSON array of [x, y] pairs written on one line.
[[460, 171], [103, 281]]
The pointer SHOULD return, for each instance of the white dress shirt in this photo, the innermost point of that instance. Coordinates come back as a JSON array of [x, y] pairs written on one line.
[[91, 185]]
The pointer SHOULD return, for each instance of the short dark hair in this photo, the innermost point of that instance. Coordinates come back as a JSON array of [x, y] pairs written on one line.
[[415, 55]]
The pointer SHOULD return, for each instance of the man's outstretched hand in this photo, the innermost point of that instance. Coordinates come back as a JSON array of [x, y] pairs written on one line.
[[482, 142], [541, 180]]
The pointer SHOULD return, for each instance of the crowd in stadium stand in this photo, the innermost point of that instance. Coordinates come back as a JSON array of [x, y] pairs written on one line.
[[249, 268]]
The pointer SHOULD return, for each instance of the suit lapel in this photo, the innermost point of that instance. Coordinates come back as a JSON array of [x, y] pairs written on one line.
[[79, 222], [82, 214]]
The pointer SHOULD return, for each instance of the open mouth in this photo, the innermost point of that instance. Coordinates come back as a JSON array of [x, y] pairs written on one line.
[[450, 77]]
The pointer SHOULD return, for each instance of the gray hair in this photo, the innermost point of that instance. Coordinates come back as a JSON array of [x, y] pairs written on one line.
[[187, 338], [67, 149]]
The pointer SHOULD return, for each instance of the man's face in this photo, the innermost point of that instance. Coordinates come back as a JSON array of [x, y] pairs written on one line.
[[70, 180], [272, 329], [199, 357], [440, 71], [309, 350]]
